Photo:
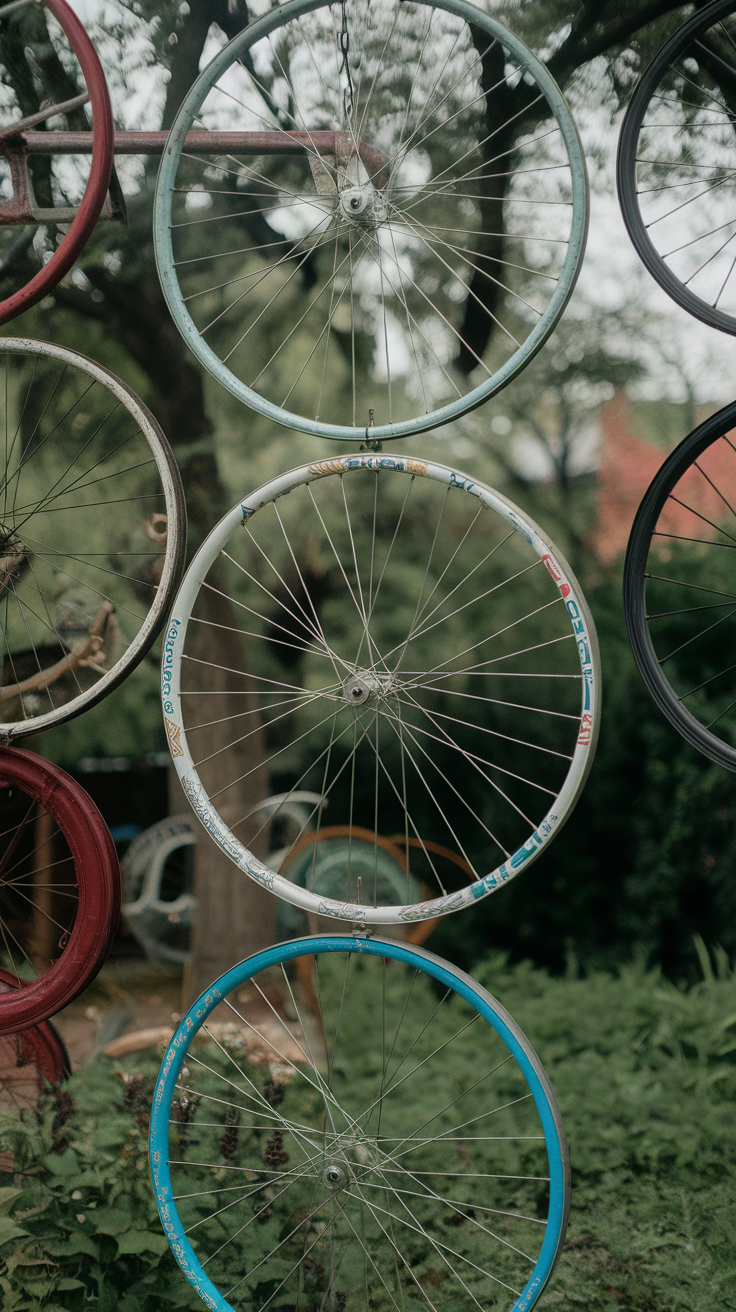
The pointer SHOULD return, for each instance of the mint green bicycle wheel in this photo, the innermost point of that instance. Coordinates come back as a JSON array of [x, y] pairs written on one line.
[[389, 223]]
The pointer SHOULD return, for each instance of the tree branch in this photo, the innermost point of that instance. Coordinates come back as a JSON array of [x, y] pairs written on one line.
[[597, 27], [187, 51]]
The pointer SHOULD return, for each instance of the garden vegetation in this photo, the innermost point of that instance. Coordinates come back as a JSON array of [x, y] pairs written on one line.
[[645, 1073]]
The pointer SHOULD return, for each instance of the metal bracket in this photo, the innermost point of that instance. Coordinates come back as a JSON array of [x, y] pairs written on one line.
[[21, 207], [371, 443], [329, 155]]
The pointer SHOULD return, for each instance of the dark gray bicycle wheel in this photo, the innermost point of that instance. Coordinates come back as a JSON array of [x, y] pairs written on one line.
[[677, 166], [680, 588]]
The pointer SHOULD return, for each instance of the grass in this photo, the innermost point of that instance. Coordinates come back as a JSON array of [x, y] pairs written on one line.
[[645, 1074]]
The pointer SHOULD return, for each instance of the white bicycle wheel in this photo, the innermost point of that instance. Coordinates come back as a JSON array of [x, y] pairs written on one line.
[[92, 534], [404, 642]]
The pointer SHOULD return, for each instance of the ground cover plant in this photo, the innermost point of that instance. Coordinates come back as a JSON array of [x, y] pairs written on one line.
[[644, 1072]]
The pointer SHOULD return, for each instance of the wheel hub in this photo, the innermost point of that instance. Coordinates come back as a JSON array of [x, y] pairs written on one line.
[[13, 553], [349, 1157], [363, 205], [335, 1176], [367, 686]]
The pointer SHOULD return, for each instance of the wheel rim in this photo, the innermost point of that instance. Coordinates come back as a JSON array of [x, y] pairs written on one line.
[[157, 874], [675, 168], [339, 1233], [373, 283], [436, 551], [59, 888], [678, 598], [30, 1063], [93, 533], [100, 169]]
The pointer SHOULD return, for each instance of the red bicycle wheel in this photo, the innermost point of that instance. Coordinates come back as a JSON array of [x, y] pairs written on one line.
[[103, 145], [30, 1062], [59, 888]]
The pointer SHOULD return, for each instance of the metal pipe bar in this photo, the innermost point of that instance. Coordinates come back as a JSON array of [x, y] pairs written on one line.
[[199, 143], [202, 143], [341, 145]]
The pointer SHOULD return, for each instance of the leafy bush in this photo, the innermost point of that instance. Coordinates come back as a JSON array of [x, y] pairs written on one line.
[[78, 1221], [645, 1073]]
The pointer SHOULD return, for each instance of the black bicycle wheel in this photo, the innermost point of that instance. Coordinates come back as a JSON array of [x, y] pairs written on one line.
[[677, 166], [680, 588]]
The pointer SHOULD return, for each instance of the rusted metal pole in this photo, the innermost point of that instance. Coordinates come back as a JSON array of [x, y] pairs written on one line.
[[324, 142], [198, 142]]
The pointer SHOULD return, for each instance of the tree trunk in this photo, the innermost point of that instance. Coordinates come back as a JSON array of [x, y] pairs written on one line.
[[235, 916]]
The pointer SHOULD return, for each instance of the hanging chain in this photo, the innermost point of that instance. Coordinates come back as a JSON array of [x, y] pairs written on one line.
[[347, 95]]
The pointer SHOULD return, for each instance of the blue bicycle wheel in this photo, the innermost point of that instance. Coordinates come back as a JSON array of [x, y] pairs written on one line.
[[351, 1123]]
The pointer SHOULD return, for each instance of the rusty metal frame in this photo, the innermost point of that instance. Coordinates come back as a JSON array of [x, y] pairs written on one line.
[[19, 143]]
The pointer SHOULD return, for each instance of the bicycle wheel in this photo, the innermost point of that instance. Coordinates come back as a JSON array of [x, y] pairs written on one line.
[[421, 1157], [409, 231], [30, 1063], [679, 599], [92, 533], [319, 861], [56, 199], [157, 875], [676, 173], [403, 642], [59, 888]]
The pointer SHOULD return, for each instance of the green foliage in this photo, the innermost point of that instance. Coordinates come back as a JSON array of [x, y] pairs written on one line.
[[77, 1219], [127, 723], [646, 861], [645, 1074], [596, 52]]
